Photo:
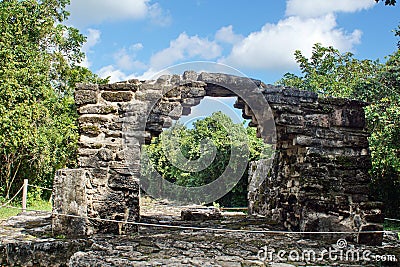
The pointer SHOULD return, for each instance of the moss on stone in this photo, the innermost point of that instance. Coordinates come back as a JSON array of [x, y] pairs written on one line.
[[108, 109], [344, 161], [117, 96], [91, 130]]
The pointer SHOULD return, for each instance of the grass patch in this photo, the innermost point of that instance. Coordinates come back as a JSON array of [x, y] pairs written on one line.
[[392, 226], [41, 205], [6, 213]]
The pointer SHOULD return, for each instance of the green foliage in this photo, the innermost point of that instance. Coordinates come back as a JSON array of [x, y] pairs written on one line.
[[219, 129], [39, 59], [388, 2], [332, 73], [6, 213]]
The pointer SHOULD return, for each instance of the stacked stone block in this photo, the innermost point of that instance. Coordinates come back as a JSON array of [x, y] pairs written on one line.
[[318, 182]]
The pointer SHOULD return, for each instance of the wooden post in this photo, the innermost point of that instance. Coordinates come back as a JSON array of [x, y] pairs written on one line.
[[24, 195]]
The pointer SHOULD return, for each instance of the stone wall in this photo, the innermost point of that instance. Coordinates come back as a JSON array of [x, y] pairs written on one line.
[[319, 180], [319, 170]]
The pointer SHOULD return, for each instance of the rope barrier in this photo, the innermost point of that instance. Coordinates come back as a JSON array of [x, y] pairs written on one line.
[[182, 227], [395, 220], [8, 202], [44, 188], [202, 228]]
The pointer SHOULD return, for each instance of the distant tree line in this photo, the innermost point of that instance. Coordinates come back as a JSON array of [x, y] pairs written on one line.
[[224, 135]]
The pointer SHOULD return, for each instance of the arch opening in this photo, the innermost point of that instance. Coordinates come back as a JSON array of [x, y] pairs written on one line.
[[319, 170]]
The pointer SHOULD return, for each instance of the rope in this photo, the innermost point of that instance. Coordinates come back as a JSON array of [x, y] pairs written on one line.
[[44, 188], [202, 228], [8, 202], [395, 220]]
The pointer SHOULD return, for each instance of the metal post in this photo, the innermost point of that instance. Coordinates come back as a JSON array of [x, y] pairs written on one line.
[[24, 195]]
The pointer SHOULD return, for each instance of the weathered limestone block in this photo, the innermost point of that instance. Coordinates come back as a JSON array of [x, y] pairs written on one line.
[[166, 108], [131, 85], [348, 118], [70, 197], [115, 204], [117, 96], [148, 95], [200, 214], [94, 119], [318, 120], [190, 75], [288, 119], [320, 175], [319, 180], [372, 239], [120, 180], [90, 130], [97, 109], [85, 97], [189, 102]]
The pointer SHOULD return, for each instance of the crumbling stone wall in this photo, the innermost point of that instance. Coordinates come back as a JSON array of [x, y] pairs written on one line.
[[319, 176], [319, 180]]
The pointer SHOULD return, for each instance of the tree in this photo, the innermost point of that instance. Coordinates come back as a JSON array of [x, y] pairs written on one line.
[[332, 73], [39, 67], [224, 135], [388, 2]]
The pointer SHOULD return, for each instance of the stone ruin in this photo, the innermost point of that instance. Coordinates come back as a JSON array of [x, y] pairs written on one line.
[[319, 177]]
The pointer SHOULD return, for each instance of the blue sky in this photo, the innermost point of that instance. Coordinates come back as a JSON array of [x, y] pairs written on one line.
[[137, 38]]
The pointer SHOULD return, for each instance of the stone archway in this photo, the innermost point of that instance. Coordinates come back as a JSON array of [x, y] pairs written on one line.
[[318, 182]]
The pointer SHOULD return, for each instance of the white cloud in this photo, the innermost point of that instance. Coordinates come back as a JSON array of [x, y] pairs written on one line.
[[115, 75], [89, 12], [226, 35], [125, 59], [93, 38], [315, 8], [185, 47], [136, 47], [158, 16], [273, 47]]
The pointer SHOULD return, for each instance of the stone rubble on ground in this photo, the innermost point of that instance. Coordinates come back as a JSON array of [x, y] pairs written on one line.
[[26, 240]]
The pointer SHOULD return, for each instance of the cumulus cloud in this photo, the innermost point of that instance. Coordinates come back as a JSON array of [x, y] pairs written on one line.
[[273, 46], [226, 35], [93, 38], [115, 74], [159, 16], [125, 59], [183, 48], [90, 12], [315, 8]]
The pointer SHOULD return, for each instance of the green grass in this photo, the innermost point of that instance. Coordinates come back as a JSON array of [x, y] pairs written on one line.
[[6, 213], [392, 226], [40, 205]]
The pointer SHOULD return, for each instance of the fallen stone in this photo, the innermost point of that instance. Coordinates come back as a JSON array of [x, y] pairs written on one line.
[[200, 214]]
